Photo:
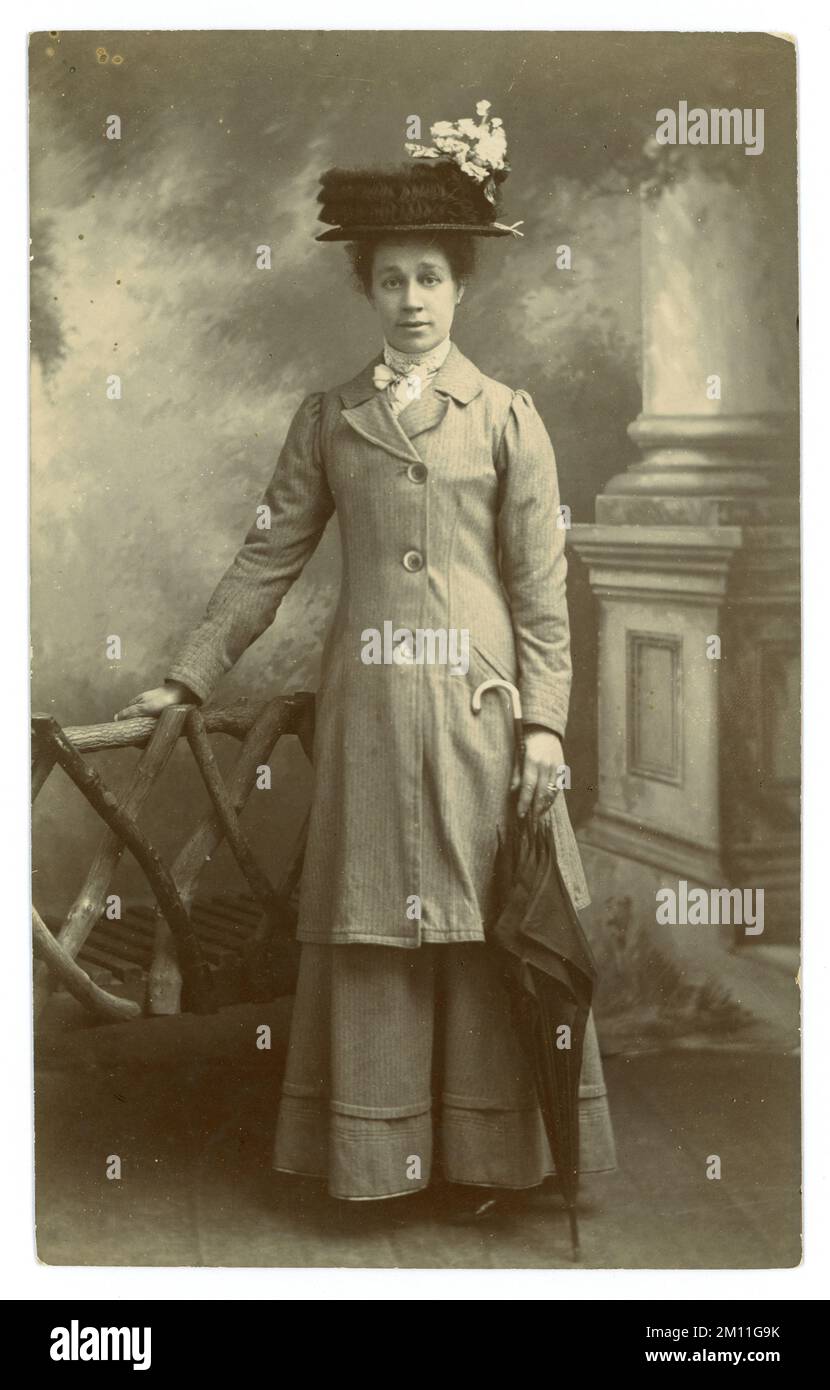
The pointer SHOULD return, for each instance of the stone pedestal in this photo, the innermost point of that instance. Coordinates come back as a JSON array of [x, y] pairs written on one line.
[[695, 564]]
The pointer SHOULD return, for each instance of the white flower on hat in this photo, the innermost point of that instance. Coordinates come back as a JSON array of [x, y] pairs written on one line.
[[478, 148]]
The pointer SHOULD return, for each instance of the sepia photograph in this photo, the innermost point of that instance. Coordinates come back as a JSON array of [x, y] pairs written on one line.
[[415, 649]]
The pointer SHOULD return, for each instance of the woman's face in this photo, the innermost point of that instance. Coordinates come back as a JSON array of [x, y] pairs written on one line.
[[414, 294]]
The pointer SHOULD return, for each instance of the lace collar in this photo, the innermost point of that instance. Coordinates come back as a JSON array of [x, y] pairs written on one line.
[[426, 361]]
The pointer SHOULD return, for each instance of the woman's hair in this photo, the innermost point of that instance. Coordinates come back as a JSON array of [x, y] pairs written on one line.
[[460, 251]]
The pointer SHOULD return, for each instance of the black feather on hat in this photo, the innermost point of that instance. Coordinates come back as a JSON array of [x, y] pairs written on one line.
[[451, 187]]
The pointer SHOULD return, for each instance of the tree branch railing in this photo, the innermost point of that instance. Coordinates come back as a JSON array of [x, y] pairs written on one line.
[[179, 975]]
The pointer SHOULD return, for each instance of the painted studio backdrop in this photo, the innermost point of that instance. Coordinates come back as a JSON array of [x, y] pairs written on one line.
[[644, 272]]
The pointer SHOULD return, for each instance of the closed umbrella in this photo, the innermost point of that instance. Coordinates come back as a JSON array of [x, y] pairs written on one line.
[[549, 971]]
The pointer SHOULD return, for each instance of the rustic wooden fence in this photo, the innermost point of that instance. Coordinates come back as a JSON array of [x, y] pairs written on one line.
[[179, 977]]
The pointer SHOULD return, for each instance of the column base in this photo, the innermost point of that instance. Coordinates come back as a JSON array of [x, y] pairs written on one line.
[[699, 755]]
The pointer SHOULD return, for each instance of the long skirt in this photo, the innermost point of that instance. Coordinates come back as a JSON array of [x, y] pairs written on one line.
[[404, 1065]]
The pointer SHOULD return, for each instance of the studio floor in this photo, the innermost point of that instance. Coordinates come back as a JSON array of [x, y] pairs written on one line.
[[188, 1105]]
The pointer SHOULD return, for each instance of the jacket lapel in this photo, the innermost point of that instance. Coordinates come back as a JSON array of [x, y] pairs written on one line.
[[424, 413], [368, 412]]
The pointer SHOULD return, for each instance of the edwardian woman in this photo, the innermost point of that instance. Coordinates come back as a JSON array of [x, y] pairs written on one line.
[[403, 1065]]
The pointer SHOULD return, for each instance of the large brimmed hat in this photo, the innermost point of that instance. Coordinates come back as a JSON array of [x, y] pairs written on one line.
[[453, 186]]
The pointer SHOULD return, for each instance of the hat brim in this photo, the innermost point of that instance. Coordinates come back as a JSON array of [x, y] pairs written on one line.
[[367, 233]]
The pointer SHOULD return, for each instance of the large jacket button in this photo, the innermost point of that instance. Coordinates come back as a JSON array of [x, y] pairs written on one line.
[[417, 472], [413, 561]]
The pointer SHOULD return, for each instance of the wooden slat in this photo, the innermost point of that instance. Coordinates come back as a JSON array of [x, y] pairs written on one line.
[[92, 955], [276, 718]]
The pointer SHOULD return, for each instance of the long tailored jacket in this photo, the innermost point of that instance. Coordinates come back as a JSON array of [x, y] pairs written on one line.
[[448, 520]]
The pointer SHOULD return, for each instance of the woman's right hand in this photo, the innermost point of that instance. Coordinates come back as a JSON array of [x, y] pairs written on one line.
[[152, 702]]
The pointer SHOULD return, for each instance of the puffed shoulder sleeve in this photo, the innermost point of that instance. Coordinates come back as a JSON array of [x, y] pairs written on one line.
[[533, 564], [287, 525]]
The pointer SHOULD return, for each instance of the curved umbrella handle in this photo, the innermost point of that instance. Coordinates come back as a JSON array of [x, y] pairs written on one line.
[[515, 702]]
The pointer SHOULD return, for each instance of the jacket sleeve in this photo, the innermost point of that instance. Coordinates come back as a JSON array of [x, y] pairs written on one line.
[[533, 564], [245, 601]]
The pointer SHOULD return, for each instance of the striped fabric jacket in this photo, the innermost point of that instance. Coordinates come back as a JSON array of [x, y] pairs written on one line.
[[448, 516]]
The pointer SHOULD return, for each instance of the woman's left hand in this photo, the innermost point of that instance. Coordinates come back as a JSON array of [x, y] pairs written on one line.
[[543, 759]]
